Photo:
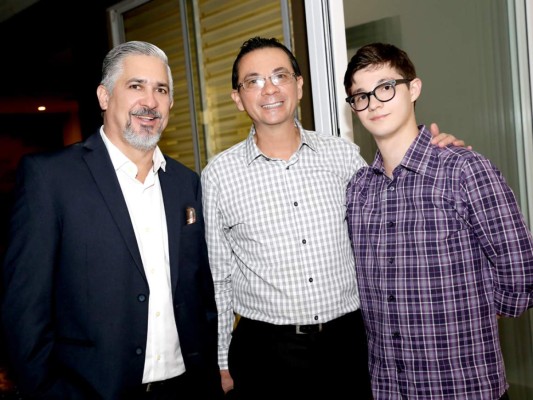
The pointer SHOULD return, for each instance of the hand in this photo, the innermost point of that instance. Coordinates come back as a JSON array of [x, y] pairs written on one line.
[[444, 139], [226, 380]]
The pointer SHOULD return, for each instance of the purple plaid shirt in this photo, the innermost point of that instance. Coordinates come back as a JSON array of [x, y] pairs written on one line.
[[440, 250]]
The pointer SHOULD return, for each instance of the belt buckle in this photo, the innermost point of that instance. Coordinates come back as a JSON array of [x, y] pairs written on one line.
[[307, 329]]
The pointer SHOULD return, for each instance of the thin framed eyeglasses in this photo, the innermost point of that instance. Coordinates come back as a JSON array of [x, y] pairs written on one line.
[[383, 92], [258, 82]]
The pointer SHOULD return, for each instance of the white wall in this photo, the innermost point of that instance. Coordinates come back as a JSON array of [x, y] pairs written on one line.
[[461, 52]]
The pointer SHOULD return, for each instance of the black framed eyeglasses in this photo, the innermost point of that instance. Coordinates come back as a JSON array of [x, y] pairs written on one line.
[[383, 92], [258, 82]]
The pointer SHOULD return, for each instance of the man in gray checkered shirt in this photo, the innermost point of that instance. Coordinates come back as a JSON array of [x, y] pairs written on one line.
[[275, 212]]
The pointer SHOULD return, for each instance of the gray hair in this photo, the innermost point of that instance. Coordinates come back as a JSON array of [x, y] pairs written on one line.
[[113, 62]]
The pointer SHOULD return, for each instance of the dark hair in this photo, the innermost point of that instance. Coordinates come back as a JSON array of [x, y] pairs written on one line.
[[379, 54], [257, 43]]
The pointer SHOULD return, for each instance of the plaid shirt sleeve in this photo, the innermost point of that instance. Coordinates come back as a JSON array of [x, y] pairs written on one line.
[[502, 231], [222, 263]]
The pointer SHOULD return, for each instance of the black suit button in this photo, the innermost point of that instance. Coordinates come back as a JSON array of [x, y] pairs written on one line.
[[138, 351], [141, 298]]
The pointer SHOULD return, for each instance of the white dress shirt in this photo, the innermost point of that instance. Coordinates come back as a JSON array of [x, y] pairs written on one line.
[[163, 358]]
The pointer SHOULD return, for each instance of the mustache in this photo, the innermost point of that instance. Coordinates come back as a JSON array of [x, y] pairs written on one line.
[[146, 112]]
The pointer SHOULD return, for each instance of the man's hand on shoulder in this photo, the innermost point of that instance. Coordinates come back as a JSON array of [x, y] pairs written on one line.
[[444, 139]]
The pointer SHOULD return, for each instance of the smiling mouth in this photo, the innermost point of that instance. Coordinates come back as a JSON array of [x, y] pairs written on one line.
[[272, 105], [378, 117], [146, 114], [145, 117]]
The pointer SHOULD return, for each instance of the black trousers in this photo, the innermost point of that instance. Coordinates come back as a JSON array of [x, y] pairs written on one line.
[[178, 387], [184, 387], [275, 362]]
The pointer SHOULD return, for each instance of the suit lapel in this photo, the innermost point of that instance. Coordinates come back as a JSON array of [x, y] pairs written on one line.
[[174, 212], [101, 168]]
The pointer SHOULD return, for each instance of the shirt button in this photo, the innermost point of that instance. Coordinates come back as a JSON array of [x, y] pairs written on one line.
[[304, 241], [392, 188], [391, 298], [295, 204], [390, 224], [138, 351], [141, 298], [390, 260], [316, 318], [310, 279]]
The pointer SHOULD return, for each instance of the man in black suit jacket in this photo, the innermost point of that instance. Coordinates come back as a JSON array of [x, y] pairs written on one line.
[[108, 292]]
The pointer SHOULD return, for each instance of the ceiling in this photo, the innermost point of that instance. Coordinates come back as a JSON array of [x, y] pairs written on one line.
[[52, 53], [37, 59], [8, 8]]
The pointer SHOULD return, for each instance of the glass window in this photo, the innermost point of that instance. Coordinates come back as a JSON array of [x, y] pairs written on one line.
[[201, 39]]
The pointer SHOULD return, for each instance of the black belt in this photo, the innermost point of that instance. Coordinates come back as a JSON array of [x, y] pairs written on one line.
[[153, 386], [297, 329]]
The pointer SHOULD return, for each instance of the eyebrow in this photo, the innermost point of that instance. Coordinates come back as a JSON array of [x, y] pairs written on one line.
[[377, 84], [136, 80], [256, 74], [145, 81]]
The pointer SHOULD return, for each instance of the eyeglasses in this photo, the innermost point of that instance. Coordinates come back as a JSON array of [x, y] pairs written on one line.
[[383, 92], [258, 82]]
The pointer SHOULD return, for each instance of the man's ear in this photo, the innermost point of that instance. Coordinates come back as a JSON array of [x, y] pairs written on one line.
[[300, 84], [415, 88], [235, 95], [103, 96]]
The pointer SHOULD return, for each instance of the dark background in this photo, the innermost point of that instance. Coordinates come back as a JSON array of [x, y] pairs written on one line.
[[52, 53]]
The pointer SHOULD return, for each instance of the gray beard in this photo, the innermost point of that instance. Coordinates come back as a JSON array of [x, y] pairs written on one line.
[[143, 141]]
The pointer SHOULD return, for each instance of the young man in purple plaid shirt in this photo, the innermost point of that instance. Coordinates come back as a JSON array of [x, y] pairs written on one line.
[[441, 247]]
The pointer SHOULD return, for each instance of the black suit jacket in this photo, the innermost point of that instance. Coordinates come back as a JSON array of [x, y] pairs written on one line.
[[75, 306]]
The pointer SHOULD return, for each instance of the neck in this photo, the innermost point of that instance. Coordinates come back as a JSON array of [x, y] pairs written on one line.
[[278, 141], [394, 147], [143, 159]]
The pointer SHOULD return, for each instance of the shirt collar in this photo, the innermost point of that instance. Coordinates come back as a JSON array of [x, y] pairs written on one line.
[[415, 159], [418, 155], [120, 161], [252, 152]]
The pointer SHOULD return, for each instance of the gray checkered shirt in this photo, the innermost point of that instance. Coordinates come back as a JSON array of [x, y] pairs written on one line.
[[277, 235]]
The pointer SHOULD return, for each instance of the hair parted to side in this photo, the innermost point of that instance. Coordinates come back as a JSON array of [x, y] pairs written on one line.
[[257, 43], [378, 55], [113, 62]]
